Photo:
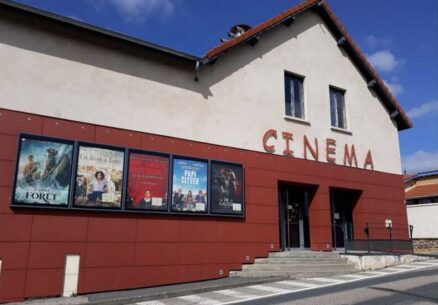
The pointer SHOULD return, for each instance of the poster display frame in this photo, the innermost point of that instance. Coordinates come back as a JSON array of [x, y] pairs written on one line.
[[75, 175], [207, 208], [123, 208], [210, 185], [169, 165], [16, 203]]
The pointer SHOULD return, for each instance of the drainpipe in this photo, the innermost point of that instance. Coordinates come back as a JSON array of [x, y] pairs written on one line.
[[197, 66]]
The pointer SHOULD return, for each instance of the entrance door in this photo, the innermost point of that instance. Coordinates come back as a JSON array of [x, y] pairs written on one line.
[[294, 217], [342, 205]]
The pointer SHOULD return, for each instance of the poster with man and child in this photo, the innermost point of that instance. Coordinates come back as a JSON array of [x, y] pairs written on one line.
[[189, 185]]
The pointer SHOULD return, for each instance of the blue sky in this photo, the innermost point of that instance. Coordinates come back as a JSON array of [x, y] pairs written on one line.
[[399, 37]]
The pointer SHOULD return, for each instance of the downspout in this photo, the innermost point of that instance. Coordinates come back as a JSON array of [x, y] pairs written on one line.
[[197, 67]]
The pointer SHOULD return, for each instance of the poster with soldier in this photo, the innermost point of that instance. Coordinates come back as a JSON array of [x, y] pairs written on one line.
[[226, 188], [43, 171]]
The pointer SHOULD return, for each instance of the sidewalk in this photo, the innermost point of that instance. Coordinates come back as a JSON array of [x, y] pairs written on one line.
[[154, 293]]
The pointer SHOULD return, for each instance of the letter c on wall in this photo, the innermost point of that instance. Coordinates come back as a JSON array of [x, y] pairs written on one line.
[[271, 133]]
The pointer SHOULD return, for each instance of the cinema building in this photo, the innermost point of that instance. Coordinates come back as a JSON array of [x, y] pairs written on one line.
[[126, 164]]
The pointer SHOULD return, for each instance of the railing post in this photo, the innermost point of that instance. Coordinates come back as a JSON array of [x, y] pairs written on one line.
[[411, 230], [367, 231], [345, 238], [390, 237]]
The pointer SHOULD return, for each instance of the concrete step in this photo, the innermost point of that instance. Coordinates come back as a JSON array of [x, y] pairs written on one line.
[[300, 260], [295, 275], [297, 264], [293, 268], [304, 254]]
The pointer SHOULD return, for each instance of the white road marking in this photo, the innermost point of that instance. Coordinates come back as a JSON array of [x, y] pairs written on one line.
[[236, 294], [298, 283], [268, 288], [356, 276], [151, 303], [327, 280], [197, 299]]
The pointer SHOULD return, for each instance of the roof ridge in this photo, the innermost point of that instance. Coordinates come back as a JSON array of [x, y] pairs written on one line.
[[222, 48]]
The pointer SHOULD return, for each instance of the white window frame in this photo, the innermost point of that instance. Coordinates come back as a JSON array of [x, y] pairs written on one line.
[[304, 118], [346, 128]]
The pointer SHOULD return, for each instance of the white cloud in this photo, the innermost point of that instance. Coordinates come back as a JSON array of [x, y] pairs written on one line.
[[424, 109], [374, 43], [420, 161], [383, 60], [138, 10], [394, 86]]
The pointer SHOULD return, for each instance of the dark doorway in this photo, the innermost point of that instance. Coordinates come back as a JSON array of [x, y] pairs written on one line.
[[342, 203], [294, 203]]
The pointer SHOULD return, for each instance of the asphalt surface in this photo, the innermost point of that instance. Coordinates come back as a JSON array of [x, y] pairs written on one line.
[[413, 287], [411, 283]]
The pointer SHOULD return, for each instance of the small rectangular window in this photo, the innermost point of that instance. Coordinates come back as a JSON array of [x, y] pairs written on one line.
[[294, 96], [337, 108]]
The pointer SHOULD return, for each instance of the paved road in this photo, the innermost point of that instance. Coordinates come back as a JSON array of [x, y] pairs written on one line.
[[415, 283]]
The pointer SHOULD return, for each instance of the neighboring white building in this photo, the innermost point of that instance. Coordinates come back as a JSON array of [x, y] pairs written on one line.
[[422, 208]]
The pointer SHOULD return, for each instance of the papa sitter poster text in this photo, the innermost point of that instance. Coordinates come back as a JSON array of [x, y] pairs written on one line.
[[189, 187], [44, 172]]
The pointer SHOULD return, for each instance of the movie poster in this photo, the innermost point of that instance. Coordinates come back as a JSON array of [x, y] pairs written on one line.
[[147, 182], [44, 172], [226, 188], [99, 178], [189, 185]]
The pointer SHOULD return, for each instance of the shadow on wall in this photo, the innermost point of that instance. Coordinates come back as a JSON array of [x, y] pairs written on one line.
[[68, 42]]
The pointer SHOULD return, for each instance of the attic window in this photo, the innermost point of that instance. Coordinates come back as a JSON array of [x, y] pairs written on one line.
[[294, 96], [337, 108]]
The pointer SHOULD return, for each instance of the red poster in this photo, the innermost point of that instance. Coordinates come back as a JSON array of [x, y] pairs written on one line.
[[147, 182]]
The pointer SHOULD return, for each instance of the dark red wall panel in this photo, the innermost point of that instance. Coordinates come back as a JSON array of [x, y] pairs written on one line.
[[124, 250]]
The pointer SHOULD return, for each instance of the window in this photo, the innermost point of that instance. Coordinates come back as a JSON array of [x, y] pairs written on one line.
[[337, 108], [294, 96]]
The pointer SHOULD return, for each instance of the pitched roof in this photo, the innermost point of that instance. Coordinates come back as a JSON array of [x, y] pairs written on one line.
[[319, 6], [422, 191], [344, 40]]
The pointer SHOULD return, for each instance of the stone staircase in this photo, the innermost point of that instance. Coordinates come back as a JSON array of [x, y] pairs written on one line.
[[297, 264]]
